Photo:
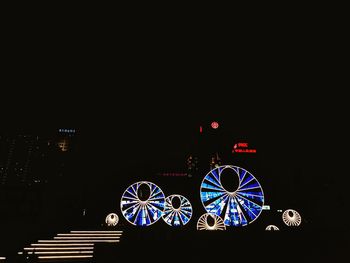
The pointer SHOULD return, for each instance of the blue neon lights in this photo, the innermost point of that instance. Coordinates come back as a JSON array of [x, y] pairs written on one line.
[[142, 213], [238, 208], [177, 216]]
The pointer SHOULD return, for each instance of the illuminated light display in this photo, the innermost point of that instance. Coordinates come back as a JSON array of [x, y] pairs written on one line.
[[266, 207], [218, 224], [200, 129], [242, 147], [291, 217], [173, 174], [214, 125], [177, 216], [112, 219], [272, 228], [142, 213], [238, 208]]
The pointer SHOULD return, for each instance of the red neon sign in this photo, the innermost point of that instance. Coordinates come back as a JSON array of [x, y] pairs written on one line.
[[242, 147], [215, 125]]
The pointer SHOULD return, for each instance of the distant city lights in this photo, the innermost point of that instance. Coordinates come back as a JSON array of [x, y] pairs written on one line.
[[66, 130], [173, 174]]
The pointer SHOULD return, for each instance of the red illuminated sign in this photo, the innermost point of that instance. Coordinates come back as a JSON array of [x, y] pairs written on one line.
[[215, 125], [242, 147]]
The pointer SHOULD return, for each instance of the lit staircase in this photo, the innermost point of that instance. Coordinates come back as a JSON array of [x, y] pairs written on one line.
[[76, 245]]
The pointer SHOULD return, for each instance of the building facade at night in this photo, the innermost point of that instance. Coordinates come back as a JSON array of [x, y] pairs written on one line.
[[28, 158]]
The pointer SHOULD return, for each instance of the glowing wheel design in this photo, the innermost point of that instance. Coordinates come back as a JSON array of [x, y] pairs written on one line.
[[177, 216], [291, 217], [238, 208], [112, 219], [272, 227], [202, 223], [142, 213]]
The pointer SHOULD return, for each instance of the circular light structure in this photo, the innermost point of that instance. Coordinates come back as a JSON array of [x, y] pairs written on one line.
[[177, 216], [214, 125], [291, 217], [112, 219], [272, 228], [203, 224], [238, 208], [142, 212]]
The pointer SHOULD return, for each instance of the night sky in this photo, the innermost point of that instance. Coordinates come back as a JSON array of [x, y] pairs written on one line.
[[139, 104]]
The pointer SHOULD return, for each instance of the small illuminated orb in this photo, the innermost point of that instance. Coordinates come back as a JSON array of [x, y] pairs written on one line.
[[291, 217], [202, 223], [272, 227], [215, 125], [112, 219]]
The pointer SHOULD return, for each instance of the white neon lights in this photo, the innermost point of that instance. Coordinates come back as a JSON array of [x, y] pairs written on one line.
[[112, 219], [218, 224], [291, 217], [142, 213], [177, 216], [272, 228]]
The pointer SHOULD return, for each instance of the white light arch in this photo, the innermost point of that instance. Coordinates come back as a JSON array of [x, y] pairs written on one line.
[[202, 223], [272, 228]]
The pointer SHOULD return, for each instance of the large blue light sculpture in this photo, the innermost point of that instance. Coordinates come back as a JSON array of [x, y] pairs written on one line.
[[238, 208], [142, 213]]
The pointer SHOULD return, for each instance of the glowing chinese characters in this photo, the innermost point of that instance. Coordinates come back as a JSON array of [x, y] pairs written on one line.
[[237, 208]]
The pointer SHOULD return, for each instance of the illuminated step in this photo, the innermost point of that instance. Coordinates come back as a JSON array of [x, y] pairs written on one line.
[[92, 234], [57, 248], [93, 231], [65, 257], [86, 238], [57, 252], [66, 244], [82, 241]]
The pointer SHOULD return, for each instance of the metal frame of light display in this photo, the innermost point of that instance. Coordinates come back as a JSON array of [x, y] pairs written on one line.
[[177, 216], [142, 213], [202, 223], [294, 220], [272, 228], [238, 208], [112, 219]]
